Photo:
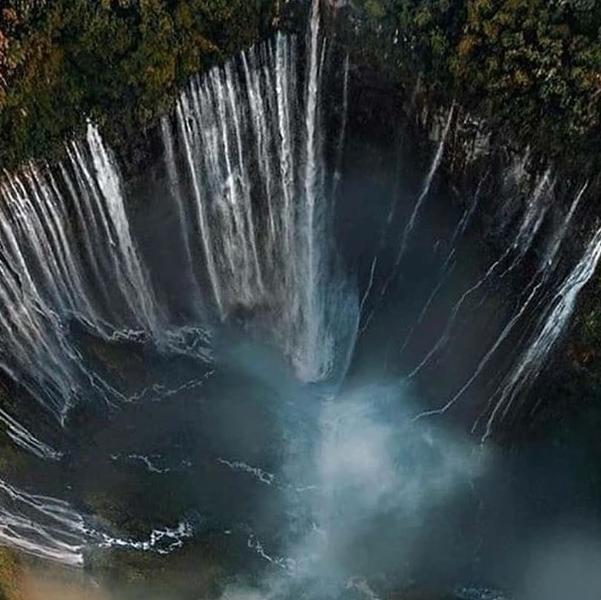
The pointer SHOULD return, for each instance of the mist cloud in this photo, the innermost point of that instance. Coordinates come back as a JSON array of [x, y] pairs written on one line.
[[377, 479]]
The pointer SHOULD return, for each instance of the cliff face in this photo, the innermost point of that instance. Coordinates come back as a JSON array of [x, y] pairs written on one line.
[[392, 104], [523, 77]]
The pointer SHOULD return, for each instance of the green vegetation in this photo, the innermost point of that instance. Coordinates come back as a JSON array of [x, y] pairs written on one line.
[[531, 67], [118, 62]]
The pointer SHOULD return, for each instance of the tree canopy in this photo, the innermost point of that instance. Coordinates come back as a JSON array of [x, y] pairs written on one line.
[[530, 66], [67, 60], [533, 66]]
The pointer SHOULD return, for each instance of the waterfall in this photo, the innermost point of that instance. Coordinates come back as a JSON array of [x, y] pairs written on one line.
[[427, 185], [132, 278], [182, 214], [36, 288], [550, 256], [52, 529], [25, 439], [447, 266], [425, 192], [41, 526], [67, 253], [550, 329], [247, 180], [256, 176], [536, 211], [541, 278], [530, 223], [343, 126], [250, 182]]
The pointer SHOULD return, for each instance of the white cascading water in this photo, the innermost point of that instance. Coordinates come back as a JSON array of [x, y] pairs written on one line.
[[411, 223], [253, 176], [550, 328], [427, 185], [41, 526], [25, 439], [52, 529], [244, 155], [540, 279], [448, 265], [68, 253], [530, 224], [177, 194], [257, 180]]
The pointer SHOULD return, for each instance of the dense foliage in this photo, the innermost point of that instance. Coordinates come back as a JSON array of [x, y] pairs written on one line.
[[63, 61], [533, 66], [530, 66]]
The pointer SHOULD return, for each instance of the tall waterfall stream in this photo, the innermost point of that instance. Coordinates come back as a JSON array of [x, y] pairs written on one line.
[[266, 353]]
